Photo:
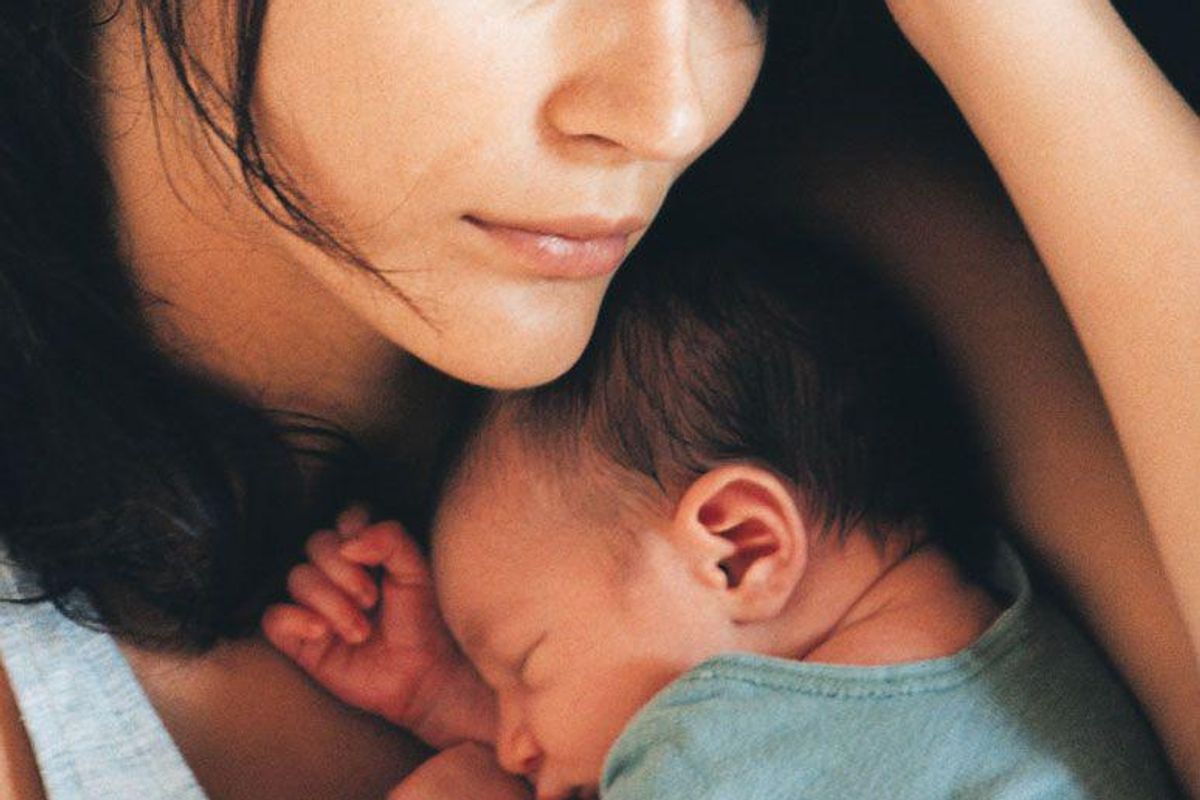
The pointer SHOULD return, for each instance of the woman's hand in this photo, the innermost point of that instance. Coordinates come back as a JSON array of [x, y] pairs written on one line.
[[380, 646], [465, 771]]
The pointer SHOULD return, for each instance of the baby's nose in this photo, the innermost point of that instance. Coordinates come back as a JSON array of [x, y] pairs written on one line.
[[518, 752]]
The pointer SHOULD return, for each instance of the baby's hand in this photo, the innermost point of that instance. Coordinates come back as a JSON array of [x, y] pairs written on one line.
[[382, 647]]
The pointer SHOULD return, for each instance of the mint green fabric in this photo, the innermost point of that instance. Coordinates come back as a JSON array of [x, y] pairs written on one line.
[[1029, 711]]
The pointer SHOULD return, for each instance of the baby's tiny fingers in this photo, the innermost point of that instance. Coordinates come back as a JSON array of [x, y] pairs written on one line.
[[288, 627], [351, 521], [310, 588], [323, 551], [386, 544]]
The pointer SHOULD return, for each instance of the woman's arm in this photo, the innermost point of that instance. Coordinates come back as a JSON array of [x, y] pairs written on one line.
[[19, 779], [467, 770], [1102, 160]]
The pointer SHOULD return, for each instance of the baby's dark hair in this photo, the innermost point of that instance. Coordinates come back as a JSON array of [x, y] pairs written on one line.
[[781, 353]]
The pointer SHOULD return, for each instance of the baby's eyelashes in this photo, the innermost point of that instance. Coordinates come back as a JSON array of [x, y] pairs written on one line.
[[521, 667]]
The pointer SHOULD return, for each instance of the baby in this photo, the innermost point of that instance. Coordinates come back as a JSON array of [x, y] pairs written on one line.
[[737, 552]]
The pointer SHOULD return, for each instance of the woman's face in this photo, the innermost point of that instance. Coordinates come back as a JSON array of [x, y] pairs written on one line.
[[494, 159]]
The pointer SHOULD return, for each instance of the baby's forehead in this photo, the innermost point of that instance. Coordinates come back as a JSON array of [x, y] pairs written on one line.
[[498, 444], [499, 490]]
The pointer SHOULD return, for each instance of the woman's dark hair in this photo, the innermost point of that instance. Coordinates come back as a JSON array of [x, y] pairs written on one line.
[[711, 350], [146, 499]]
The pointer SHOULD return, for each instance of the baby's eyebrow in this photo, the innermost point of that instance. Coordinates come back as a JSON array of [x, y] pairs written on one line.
[[476, 636]]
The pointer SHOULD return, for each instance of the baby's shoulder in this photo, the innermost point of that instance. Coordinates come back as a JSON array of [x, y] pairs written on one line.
[[1030, 709]]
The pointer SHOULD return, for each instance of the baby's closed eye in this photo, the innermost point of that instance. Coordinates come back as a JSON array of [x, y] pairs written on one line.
[[523, 668]]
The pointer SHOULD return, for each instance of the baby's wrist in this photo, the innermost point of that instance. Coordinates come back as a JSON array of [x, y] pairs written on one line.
[[457, 708]]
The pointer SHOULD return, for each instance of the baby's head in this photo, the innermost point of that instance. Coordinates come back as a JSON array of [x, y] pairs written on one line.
[[739, 416]]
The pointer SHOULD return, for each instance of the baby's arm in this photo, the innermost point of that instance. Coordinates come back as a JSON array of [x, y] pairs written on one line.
[[381, 647], [1102, 159], [465, 771]]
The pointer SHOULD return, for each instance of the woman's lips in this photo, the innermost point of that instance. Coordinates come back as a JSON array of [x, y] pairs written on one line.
[[567, 250]]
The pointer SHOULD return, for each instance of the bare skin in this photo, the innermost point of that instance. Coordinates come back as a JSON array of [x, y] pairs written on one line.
[[251, 727]]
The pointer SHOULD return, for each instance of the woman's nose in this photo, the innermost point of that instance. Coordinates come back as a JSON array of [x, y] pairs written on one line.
[[632, 91]]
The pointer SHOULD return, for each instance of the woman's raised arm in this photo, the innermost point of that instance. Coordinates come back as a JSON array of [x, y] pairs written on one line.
[[1102, 160]]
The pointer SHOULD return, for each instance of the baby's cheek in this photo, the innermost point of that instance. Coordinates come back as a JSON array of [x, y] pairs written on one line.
[[601, 712]]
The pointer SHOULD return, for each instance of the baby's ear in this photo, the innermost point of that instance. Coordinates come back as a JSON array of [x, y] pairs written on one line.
[[741, 531]]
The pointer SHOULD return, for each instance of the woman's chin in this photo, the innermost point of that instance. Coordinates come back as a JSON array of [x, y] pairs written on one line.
[[512, 358]]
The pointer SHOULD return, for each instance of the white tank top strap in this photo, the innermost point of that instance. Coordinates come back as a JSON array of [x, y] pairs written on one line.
[[94, 732]]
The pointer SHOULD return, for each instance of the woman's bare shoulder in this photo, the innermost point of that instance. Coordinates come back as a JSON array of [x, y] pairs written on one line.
[[19, 778]]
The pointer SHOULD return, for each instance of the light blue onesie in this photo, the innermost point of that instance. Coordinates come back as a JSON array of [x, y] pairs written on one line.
[[1029, 712]]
